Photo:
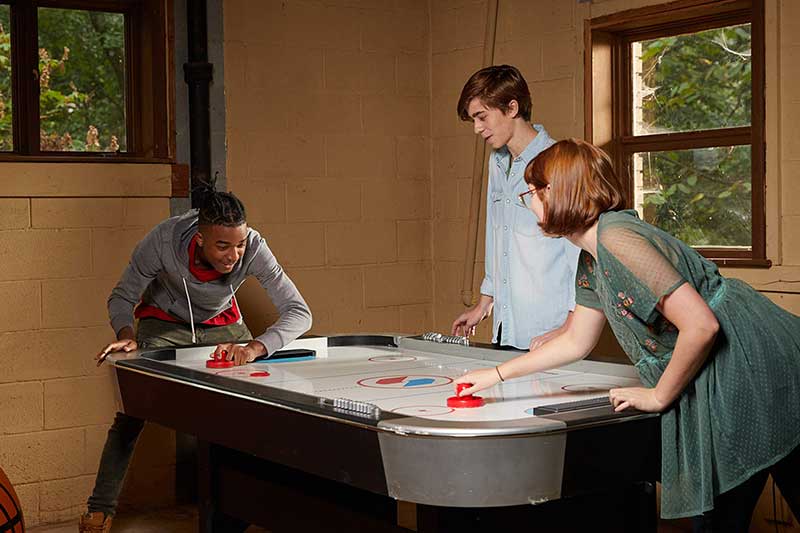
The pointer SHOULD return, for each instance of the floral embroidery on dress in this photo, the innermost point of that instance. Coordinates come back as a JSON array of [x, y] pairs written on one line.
[[623, 304], [583, 281], [588, 261], [651, 345]]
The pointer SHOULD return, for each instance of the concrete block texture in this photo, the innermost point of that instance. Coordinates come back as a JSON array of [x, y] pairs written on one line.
[[399, 200], [28, 254], [321, 200], [277, 154], [394, 29], [451, 69], [395, 115], [80, 180], [42, 456], [292, 69], [791, 240], [361, 156], [413, 76], [111, 251], [413, 157], [352, 243], [144, 212], [15, 213], [361, 71], [458, 28], [21, 407], [789, 16], [77, 212], [283, 240], [25, 309], [28, 494], [59, 298], [331, 288], [414, 240], [79, 401], [398, 284]]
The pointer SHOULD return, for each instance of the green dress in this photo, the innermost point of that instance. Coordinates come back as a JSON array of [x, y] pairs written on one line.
[[741, 412]]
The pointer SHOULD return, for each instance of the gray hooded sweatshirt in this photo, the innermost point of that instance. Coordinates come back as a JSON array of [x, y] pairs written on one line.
[[158, 275]]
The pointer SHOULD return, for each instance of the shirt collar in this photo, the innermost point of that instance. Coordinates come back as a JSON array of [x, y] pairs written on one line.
[[539, 143]]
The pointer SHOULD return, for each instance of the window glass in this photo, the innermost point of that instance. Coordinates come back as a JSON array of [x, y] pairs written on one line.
[[696, 81], [701, 196], [81, 80], [6, 131]]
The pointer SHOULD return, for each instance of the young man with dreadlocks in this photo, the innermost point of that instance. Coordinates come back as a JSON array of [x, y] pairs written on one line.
[[181, 284]]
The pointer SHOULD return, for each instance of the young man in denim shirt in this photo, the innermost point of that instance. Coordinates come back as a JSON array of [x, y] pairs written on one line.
[[529, 284]]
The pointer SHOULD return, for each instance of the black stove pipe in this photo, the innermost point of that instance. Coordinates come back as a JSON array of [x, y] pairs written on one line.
[[198, 73]]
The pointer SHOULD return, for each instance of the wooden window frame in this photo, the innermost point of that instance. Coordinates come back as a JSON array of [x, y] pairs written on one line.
[[149, 97], [608, 104]]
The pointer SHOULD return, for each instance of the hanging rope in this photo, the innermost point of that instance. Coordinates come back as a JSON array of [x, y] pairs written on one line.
[[479, 165]]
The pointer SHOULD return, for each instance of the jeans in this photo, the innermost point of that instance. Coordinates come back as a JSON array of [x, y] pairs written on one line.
[[124, 432]]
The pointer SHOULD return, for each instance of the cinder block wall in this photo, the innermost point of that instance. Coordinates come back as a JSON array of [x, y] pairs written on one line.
[[328, 131], [66, 231]]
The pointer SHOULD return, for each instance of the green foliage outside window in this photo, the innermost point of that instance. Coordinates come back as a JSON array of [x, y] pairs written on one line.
[[700, 81], [6, 142], [81, 80], [700, 196]]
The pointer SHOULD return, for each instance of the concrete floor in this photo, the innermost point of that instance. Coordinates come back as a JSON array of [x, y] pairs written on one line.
[[183, 519]]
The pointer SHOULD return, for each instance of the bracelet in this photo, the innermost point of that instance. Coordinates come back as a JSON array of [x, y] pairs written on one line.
[[497, 368]]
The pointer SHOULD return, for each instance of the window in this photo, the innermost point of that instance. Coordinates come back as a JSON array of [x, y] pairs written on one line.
[[85, 79], [675, 94], [6, 102]]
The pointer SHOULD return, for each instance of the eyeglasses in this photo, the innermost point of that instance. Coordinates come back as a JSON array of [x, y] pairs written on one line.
[[526, 198]]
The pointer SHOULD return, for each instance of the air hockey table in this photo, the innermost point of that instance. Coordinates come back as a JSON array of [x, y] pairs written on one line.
[[336, 441]]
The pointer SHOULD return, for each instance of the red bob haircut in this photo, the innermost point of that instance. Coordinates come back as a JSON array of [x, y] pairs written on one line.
[[582, 182]]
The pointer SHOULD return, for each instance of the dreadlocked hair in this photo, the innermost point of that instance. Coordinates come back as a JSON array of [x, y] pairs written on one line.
[[218, 208]]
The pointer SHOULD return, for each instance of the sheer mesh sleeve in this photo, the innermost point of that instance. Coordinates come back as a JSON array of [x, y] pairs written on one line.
[[644, 269], [585, 283]]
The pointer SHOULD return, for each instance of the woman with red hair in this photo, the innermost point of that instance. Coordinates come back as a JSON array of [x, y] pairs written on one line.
[[719, 360]]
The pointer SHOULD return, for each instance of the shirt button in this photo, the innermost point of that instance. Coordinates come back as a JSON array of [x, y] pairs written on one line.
[[505, 254], [508, 201], [505, 307], [504, 281], [505, 228]]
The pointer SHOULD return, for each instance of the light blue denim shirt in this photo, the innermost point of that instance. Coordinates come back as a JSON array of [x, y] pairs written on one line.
[[530, 276]]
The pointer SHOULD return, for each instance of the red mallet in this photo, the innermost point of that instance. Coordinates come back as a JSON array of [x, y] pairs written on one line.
[[219, 360], [464, 401]]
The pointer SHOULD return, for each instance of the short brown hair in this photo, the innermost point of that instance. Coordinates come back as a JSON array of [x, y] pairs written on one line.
[[496, 86], [582, 182]]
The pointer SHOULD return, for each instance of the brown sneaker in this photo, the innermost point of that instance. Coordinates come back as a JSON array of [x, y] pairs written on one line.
[[94, 523]]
